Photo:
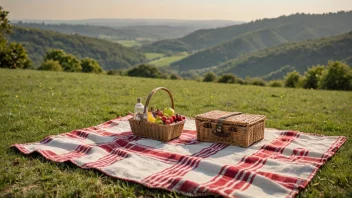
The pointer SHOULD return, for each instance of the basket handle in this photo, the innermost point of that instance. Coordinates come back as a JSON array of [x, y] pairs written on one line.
[[151, 94]]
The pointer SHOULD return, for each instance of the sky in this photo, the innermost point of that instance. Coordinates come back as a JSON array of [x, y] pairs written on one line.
[[237, 10]]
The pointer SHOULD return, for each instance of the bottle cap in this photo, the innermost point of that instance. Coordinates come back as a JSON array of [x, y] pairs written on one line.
[[138, 100]]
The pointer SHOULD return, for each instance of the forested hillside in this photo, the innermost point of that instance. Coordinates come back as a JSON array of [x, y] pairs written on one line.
[[275, 62], [319, 25], [109, 55], [93, 30]]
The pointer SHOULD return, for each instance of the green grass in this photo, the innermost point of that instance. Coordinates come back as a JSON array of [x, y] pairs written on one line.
[[36, 104], [152, 56], [166, 61], [129, 43]]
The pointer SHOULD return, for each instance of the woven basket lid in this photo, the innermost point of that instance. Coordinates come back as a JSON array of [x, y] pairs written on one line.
[[242, 119]]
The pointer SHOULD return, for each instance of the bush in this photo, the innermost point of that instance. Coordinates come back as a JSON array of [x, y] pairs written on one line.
[[312, 77], [227, 78], [175, 77], [275, 83], [210, 77], [14, 56], [255, 81], [90, 65], [144, 71], [115, 72], [51, 65], [292, 79], [68, 62], [337, 76]]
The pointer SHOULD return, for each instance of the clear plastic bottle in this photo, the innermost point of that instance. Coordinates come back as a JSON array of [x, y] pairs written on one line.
[[138, 110]]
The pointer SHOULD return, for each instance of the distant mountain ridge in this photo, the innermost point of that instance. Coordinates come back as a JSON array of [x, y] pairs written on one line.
[[310, 27], [154, 29], [109, 55], [275, 62], [92, 30]]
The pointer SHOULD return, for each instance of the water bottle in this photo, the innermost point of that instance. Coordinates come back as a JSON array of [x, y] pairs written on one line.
[[138, 110]]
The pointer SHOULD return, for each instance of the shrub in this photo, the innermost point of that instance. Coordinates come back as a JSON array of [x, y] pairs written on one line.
[[209, 77], [68, 62], [14, 56], [292, 79], [275, 83], [175, 77], [144, 71], [336, 77], [90, 65], [312, 77], [71, 64], [114, 72], [51, 65], [255, 81], [227, 78]]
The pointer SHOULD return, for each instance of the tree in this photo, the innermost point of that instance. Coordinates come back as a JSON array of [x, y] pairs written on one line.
[[51, 65], [68, 62], [71, 64], [14, 56], [337, 76], [90, 65], [55, 54], [144, 71], [5, 26], [228, 78], [312, 77], [209, 77], [292, 79]]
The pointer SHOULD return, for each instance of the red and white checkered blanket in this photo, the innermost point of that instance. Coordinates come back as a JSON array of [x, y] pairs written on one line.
[[278, 166]]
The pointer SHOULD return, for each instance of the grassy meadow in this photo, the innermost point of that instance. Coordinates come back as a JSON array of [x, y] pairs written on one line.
[[35, 104], [152, 55], [167, 60]]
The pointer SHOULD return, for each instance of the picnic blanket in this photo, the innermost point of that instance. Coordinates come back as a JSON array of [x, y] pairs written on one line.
[[278, 166]]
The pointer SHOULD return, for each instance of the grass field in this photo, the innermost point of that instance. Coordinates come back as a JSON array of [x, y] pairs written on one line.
[[129, 43], [165, 61], [152, 56], [36, 104]]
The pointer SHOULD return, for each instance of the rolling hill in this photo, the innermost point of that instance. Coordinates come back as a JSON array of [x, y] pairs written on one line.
[[275, 62], [109, 55], [264, 38], [127, 29], [93, 30], [319, 25]]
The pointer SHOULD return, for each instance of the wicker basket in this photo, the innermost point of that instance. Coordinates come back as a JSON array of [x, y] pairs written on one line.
[[150, 130], [234, 128]]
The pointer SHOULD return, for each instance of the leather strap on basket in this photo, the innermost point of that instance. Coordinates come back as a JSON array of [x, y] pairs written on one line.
[[151, 94], [218, 129]]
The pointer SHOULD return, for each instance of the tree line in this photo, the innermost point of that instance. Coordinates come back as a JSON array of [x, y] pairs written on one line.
[[336, 75]]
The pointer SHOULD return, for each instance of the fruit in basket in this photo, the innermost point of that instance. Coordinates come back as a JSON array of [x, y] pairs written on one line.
[[169, 111], [163, 118], [151, 117], [171, 119], [159, 113], [159, 122], [167, 122]]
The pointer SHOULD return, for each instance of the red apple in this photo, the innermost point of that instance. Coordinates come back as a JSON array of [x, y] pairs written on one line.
[[163, 118], [171, 119], [160, 113], [167, 122]]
